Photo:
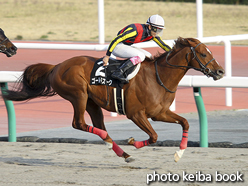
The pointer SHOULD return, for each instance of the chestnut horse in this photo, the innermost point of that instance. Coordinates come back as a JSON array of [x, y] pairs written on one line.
[[6, 46], [148, 95]]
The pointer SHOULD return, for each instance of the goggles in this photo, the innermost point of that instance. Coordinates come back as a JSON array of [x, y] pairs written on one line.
[[156, 30]]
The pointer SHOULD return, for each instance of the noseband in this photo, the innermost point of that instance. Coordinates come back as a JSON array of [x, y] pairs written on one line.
[[203, 68]]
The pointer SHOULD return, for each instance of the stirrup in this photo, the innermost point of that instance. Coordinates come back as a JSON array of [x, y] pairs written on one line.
[[119, 75], [123, 80]]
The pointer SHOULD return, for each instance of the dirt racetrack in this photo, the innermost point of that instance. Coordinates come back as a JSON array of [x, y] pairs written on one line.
[[51, 164]]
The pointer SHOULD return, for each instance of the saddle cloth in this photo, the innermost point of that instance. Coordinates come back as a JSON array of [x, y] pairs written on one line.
[[101, 75]]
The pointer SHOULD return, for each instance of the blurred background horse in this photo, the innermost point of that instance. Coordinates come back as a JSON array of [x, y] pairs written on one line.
[[6, 46]]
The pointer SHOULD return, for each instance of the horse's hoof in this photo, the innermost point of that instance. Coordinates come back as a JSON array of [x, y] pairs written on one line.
[[178, 155], [109, 145], [129, 159], [131, 141]]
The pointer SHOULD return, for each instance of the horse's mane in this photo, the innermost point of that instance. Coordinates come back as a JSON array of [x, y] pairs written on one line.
[[179, 44]]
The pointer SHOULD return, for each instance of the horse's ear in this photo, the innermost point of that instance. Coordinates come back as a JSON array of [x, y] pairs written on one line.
[[191, 41]]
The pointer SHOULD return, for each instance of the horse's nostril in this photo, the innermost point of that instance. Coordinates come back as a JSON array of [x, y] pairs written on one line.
[[220, 72], [13, 48]]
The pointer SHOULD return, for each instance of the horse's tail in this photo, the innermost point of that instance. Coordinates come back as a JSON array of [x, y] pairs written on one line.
[[34, 83]]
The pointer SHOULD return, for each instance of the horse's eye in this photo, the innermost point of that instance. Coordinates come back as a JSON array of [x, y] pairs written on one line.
[[203, 55]]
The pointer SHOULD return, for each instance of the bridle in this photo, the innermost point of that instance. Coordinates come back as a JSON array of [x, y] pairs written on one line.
[[3, 48], [203, 68]]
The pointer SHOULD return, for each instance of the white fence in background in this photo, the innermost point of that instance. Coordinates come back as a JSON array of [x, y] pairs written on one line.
[[187, 80]]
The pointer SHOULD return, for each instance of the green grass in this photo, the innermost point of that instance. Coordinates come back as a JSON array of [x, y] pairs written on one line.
[[76, 20]]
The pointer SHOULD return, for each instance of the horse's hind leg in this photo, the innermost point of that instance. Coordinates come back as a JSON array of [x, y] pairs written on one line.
[[79, 106], [96, 115]]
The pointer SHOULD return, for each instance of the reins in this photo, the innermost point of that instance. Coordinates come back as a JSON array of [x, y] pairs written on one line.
[[159, 80]]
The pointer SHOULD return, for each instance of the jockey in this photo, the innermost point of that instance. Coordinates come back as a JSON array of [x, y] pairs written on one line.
[[121, 46]]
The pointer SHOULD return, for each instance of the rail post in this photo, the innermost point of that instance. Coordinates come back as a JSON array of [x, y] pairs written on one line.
[[202, 117], [228, 69], [11, 115]]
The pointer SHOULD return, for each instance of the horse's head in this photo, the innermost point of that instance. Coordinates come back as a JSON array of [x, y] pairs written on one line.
[[6, 46], [202, 60]]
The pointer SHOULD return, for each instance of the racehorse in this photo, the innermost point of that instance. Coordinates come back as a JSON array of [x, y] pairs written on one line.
[[6, 46], [148, 95]]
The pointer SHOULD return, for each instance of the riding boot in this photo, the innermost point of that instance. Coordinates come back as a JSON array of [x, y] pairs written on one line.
[[119, 73]]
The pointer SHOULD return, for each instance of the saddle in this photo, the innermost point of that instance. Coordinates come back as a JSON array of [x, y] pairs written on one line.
[[101, 75]]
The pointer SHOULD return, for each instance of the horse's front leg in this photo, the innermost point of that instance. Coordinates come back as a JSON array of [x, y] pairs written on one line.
[[96, 116], [142, 122], [171, 117]]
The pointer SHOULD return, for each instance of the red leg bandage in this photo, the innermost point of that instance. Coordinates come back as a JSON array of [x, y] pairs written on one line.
[[139, 144], [119, 152], [101, 133], [184, 141]]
